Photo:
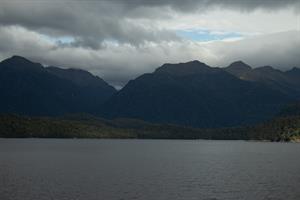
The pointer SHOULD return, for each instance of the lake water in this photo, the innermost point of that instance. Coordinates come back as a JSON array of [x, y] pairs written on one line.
[[73, 169]]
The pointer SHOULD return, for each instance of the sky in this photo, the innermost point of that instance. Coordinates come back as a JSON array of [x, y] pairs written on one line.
[[119, 40]]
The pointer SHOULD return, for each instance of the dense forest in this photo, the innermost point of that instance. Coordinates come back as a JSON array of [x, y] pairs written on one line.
[[282, 128]]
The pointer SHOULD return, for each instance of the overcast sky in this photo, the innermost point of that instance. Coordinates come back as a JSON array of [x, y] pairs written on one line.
[[121, 39]]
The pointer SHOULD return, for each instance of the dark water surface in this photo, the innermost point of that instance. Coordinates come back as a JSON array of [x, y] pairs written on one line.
[[58, 169]]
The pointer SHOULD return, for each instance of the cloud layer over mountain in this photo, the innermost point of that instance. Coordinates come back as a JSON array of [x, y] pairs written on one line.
[[119, 40]]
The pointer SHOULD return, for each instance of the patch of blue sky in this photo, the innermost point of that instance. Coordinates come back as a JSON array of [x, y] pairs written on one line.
[[207, 35], [59, 40]]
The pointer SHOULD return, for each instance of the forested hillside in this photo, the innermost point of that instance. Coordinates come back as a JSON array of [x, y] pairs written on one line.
[[13, 126]]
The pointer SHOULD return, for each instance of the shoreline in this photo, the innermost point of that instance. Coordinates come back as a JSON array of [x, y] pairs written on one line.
[[185, 139]]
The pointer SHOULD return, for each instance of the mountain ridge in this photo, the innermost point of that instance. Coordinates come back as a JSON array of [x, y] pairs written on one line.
[[287, 82], [29, 88], [188, 94], [207, 97]]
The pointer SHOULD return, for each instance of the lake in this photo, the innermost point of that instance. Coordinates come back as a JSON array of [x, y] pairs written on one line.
[[90, 169]]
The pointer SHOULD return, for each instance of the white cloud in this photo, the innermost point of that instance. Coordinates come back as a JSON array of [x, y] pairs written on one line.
[[253, 23]]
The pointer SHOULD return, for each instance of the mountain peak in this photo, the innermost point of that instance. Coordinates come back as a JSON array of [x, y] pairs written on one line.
[[240, 65], [194, 62], [266, 68], [182, 69], [17, 59], [238, 68], [19, 62]]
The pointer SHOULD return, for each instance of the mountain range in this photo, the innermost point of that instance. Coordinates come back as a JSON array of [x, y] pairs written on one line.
[[287, 82], [189, 94]]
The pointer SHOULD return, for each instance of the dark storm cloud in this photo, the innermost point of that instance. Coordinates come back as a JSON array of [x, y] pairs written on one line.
[[88, 22], [92, 22], [187, 5]]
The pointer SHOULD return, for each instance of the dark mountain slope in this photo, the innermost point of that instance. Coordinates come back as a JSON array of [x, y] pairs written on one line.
[[93, 90], [286, 82], [194, 94], [80, 77], [294, 76], [29, 88]]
